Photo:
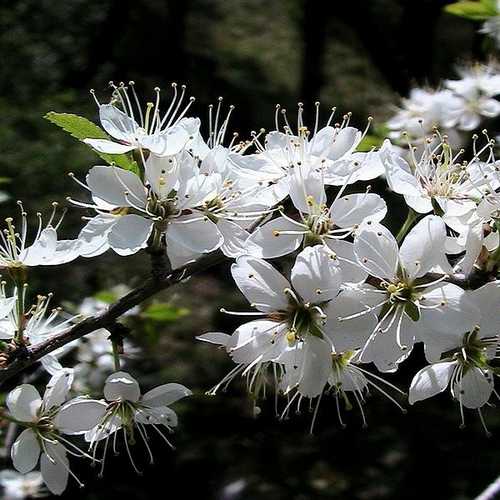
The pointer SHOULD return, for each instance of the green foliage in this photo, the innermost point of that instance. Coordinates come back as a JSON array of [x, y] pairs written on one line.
[[164, 313], [474, 10], [106, 296], [80, 128], [373, 140]]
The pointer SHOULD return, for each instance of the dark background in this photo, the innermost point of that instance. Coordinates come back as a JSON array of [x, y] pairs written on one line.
[[358, 55]]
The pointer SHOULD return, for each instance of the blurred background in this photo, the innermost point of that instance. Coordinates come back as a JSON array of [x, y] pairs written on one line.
[[357, 55]]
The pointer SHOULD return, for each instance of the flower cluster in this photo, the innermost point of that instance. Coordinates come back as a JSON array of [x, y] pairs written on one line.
[[462, 105], [353, 299]]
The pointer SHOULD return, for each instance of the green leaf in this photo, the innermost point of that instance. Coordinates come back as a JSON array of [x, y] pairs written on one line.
[[80, 128], [164, 313], [369, 142], [475, 10], [106, 296]]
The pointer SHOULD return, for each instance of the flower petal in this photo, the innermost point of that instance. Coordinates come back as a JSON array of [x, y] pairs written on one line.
[[165, 395], [431, 380], [423, 246], [316, 274], [474, 388], [129, 234], [79, 415], [260, 283], [116, 186], [58, 388], [121, 385], [353, 209], [377, 250], [268, 241], [25, 451], [54, 467], [23, 402]]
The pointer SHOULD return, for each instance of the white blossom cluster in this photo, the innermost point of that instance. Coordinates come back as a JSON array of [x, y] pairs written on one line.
[[461, 105], [354, 297]]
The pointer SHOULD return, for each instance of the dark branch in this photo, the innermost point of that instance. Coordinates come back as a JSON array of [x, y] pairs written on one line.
[[22, 358]]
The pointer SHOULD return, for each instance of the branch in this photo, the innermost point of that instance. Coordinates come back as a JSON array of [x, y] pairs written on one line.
[[21, 358]]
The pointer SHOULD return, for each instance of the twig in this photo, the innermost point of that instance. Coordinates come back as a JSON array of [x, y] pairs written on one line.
[[21, 359]]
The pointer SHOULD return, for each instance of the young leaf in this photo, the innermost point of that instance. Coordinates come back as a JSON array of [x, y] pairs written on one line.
[[164, 313], [80, 128], [475, 10]]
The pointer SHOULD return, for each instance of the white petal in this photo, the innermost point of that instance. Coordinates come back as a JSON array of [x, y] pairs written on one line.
[[316, 367], [58, 388], [217, 338], [269, 243], [25, 451], [116, 186], [6, 306], [116, 123], [353, 209], [421, 204], [178, 255], [474, 389], [23, 402], [167, 143], [487, 299], [430, 381], [398, 173], [55, 469], [423, 246], [257, 340], [452, 311], [80, 415], [162, 174], [316, 275], [352, 272], [261, 284], [94, 236], [43, 249], [108, 147], [121, 385], [235, 239], [349, 334], [165, 395], [195, 234], [344, 142], [305, 186], [129, 234], [377, 250]]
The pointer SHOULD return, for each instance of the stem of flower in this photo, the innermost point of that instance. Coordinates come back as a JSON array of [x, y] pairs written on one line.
[[408, 223], [116, 355]]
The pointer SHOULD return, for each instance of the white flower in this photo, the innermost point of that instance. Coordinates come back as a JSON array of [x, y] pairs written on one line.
[[162, 135], [318, 224], [410, 308], [163, 207], [128, 412], [46, 249], [437, 177], [421, 112], [36, 322], [474, 92], [475, 230], [330, 150], [294, 318], [466, 364], [347, 382], [47, 420], [20, 486]]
